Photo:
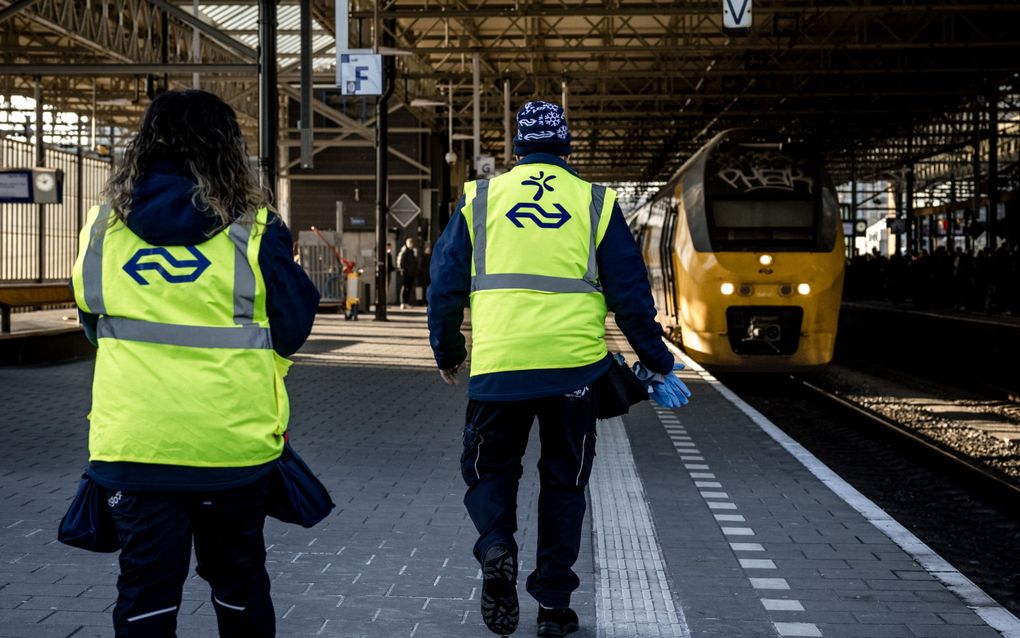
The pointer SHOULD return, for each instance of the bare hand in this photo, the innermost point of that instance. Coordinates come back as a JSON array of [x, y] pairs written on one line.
[[450, 375]]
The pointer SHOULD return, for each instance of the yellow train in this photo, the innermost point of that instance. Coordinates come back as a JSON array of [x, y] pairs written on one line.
[[744, 248]]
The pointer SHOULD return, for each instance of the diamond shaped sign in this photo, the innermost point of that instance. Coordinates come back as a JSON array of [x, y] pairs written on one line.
[[404, 210]]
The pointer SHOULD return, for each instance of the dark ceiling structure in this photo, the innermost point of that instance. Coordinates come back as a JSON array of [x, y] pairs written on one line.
[[875, 84]]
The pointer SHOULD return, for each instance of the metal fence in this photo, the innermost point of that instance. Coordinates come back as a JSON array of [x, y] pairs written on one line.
[[39, 243]]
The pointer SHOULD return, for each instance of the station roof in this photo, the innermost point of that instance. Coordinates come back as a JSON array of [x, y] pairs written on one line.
[[871, 82]]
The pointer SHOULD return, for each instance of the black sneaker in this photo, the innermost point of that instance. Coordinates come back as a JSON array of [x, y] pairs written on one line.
[[500, 609], [553, 623]]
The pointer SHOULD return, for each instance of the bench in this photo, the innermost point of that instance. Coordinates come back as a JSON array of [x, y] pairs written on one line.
[[30, 294]]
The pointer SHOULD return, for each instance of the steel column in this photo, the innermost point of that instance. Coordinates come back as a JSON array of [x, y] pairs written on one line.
[[268, 96], [382, 189], [307, 132], [476, 111], [993, 170], [40, 160]]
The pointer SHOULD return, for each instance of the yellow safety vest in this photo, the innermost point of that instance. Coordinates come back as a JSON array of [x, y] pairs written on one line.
[[536, 301], [185, 373]]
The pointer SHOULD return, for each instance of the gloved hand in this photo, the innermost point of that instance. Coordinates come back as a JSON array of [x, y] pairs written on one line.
[[666, 390]]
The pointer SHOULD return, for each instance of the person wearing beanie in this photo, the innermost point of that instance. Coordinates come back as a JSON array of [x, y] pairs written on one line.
[[541, 255]]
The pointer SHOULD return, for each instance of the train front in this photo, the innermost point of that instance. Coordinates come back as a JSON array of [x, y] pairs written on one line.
[[758, 258]]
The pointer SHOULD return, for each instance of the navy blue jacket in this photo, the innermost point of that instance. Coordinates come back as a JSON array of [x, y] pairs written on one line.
[[163, 214], [624, 284]]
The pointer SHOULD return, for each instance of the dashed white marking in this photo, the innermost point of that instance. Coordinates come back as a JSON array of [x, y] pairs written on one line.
[[707, 484], [684, 457], [806, 629], [747, 547], [716, 505], [714, 495], [730, 518], [769, 583], [738, 531], [702, 475], [780, 604], [757, 563]]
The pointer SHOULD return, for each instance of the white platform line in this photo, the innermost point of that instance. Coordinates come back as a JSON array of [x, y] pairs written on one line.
[[631, 587], [994, 614]]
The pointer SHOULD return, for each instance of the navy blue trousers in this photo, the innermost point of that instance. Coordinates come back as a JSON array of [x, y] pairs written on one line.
[[495, 439], [156, 531]]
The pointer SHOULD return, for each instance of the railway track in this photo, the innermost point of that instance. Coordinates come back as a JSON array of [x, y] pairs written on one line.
[[966, 513]]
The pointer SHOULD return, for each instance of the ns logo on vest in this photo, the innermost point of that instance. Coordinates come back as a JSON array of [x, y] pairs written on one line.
[[135, 265], [539, 215]]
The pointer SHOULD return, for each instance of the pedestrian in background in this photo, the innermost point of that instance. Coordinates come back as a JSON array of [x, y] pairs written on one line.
[[407, 269], [187, 283], [424, 263], [541, 255]]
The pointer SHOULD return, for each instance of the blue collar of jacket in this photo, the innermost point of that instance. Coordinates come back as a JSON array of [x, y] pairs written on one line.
[[546, 158]]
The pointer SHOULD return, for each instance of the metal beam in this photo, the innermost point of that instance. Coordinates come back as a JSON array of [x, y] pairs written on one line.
[[50, 70], [20, 5], [210, 31]]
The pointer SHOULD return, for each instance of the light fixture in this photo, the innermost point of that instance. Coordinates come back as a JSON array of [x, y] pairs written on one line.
[[804, 289], [765, 260], [421, 101], [727, 288]]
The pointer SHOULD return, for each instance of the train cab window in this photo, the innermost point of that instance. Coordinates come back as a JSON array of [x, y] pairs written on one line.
[[763, 222], [762, 197]]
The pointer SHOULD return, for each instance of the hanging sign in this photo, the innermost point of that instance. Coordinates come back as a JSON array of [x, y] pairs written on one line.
[[359, 73], [736, 15]]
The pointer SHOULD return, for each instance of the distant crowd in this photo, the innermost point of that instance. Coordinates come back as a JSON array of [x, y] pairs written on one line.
[[988, 281]]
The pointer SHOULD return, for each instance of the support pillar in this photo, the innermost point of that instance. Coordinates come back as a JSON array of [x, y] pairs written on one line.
[[993, 170], [40, 160], [268, 100]]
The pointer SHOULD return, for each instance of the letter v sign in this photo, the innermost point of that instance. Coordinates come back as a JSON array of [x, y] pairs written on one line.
[[736, 14]]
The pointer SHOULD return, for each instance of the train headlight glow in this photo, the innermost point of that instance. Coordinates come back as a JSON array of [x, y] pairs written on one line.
[[765, 260], [804, 289], [727, 288]]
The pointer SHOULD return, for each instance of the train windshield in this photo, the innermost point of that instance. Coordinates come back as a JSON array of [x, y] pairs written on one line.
[[762, 197]]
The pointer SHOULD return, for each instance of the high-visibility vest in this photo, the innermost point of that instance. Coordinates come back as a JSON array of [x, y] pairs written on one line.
[[536, 301], [185, 372]]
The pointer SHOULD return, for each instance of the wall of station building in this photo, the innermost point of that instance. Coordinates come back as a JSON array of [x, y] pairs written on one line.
[[345, 175]]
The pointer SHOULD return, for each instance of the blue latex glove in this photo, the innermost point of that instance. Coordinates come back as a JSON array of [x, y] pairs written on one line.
[[666, 390]]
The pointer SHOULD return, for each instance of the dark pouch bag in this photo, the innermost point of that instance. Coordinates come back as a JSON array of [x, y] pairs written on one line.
[[295, 494], [88, 523], [617, 390]]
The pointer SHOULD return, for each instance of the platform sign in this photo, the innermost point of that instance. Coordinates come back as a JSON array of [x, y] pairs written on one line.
[[16, 187], [359, 74], [404, 210], [736, 15]]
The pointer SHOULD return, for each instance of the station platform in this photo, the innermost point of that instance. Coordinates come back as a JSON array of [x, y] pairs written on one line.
[[704, 521]]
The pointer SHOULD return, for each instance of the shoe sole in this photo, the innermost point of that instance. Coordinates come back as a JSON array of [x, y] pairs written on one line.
[[556, 630], [500, 608]]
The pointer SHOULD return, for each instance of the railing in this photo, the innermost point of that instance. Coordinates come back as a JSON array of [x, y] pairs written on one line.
[[39, 243]]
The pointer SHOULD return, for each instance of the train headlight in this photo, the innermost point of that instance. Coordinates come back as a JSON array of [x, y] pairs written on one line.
[[804, 289], [765, 260], [727, 288]]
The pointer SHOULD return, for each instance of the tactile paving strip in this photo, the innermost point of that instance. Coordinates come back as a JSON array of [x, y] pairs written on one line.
[[632, 591]]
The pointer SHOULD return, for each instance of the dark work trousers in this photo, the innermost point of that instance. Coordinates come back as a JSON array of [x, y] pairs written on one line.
[[495, 439], [407, 288], [156, 531]]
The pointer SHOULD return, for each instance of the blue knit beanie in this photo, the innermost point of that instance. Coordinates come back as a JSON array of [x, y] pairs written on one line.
[[541, 128]]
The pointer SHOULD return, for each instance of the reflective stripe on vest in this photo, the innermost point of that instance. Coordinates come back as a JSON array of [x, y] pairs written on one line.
[[247, 335], [542, 283], [92, 264]]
